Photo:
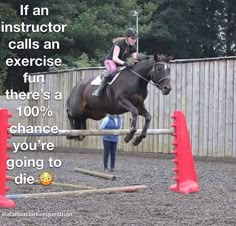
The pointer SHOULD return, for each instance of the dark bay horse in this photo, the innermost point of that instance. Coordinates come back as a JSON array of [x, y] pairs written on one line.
[[126, 94]]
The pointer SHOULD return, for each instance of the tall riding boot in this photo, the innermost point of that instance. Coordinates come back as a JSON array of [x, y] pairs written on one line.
[[98, 91]]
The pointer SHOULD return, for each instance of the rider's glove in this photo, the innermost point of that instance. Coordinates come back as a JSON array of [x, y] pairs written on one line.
[[127, 65]]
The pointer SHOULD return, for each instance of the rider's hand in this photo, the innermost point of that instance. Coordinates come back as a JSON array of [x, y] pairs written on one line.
[[127, 65]]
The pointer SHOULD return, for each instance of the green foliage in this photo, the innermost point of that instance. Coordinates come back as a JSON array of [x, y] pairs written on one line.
[[185, 28], [7, 14]]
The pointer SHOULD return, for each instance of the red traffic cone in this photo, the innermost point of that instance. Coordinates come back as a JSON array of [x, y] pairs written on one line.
[[186, 178]]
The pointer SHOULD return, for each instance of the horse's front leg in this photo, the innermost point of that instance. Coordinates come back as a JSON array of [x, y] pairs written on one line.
[[143, 111], [127, 105]]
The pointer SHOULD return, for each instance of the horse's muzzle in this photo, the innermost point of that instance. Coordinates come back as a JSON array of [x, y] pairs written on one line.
[[166, 89]]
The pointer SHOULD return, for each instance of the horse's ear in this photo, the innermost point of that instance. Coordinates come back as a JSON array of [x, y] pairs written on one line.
[[142, 56], [156, 58], [169, 58]]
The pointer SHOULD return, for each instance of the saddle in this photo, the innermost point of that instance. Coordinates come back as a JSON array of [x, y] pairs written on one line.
[[98, 79]]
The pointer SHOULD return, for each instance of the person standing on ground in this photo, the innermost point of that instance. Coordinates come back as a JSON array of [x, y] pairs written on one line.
[[110, 141]]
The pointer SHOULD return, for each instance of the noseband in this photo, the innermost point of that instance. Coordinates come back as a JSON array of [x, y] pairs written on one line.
[[157, 84]]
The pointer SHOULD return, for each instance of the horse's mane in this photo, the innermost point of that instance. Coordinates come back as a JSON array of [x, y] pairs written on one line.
[[143, 59], [142, 56]]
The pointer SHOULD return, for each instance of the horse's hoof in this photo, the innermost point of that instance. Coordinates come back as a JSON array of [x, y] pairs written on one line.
[[76, 138], [128, 137], [137, 140], [80, 138]]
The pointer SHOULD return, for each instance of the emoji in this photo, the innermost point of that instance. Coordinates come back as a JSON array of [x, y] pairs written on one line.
[[45, 178]]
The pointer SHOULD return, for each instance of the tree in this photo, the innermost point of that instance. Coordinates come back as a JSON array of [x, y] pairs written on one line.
[[188, 28], [185, 28], [228, 29], [8, 15]]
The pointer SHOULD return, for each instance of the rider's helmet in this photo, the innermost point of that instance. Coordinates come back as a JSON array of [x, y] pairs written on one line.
[[131, 32]]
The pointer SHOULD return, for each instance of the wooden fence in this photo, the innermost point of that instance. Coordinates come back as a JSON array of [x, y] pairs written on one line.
[[12, 106], [204, 89]]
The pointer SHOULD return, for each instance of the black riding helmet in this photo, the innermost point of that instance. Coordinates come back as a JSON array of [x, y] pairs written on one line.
[[131, 32]]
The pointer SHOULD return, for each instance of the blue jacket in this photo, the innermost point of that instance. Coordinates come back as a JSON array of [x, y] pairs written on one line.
[[109, 123]]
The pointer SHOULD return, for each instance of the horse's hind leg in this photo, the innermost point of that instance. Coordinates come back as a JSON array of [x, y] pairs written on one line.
[[72, 126], [79, 125], [148, 118], [75, 123]]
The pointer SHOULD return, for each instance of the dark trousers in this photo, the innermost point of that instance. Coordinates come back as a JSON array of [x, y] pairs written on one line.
[[109, 148]]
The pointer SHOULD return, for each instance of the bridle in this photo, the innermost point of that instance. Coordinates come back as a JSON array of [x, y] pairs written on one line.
[[157, 84]]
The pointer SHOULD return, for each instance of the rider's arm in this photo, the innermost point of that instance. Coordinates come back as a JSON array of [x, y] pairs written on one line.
[[134, 57], [115, 57]]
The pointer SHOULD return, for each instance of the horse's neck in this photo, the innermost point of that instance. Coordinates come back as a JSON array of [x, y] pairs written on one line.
[[143, 68]]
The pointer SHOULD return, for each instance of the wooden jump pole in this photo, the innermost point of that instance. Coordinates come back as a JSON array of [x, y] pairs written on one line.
[[93, 132], [63, 185], [96, 174], [79, 192]]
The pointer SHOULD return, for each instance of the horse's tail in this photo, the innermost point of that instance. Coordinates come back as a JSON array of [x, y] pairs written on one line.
[[75, 110], [68, 111], [73, 107]]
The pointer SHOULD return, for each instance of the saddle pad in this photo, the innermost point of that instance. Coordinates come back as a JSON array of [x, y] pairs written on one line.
[[97, 80]]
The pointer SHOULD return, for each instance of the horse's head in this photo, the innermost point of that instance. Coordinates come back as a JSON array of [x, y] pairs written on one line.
[[160, 73]]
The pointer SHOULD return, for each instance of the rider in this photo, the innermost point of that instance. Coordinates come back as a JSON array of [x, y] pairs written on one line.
[[121, 49]]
